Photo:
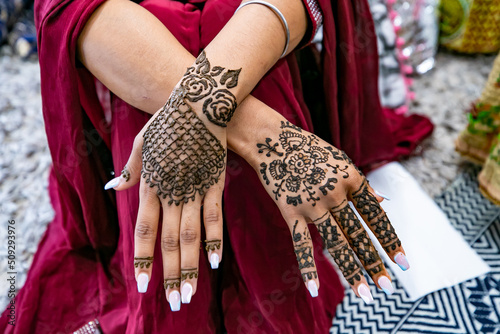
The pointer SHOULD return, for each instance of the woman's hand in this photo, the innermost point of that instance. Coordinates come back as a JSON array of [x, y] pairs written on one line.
[[183, 167], [313, 182]]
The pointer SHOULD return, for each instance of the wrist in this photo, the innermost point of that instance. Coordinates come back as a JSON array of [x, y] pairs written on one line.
[[252, 122]]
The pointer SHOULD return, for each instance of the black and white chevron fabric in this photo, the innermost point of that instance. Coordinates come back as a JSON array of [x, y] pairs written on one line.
[[468, 308]]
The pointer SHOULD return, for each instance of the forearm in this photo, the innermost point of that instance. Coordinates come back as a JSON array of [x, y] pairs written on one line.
[[141, 61]]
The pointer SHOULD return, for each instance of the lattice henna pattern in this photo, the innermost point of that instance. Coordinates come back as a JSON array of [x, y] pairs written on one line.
[[181, 157], [339, 249], [304, 252], [359, 240], [377, 219]]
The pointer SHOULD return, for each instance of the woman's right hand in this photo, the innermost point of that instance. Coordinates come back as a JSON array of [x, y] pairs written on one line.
[[312, 182]]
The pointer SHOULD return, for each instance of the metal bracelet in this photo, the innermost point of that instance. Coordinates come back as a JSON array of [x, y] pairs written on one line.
[[278, 13]]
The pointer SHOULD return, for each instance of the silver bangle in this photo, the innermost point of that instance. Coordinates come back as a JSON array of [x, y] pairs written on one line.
[[278, 13]]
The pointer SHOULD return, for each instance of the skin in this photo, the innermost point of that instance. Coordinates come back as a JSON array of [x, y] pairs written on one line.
[[145, 78]]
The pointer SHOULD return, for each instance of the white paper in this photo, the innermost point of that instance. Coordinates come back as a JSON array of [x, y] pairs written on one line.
[[438, 255]]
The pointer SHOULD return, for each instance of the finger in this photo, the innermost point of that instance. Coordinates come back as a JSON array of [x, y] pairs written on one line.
[[303, 248], [376, 219], [212, 218], [170, 252], [377, 194], [362, 246], [145, 236], [338, 247], [190, 248], [131, 173]]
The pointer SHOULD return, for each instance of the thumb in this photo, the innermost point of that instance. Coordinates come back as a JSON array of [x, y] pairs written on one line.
[[131, 173]]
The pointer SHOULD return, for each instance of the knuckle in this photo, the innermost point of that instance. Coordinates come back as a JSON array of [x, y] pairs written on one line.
[[143, 230], [188, 236], [212, 217], [169, 243]]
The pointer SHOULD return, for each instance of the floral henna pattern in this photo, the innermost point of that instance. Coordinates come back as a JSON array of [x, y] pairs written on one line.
[[358, 239], [376, 218], [301, 164], [211, 86], [339, 249], [181, 157], [304, 252]]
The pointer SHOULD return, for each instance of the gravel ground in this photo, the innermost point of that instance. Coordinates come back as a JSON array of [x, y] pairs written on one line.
[[443, 95]]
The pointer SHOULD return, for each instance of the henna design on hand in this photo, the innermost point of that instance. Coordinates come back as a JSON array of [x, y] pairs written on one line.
[[302, 165], [171, 283], [304, 252], [339, 249], [211, 245], [181, 157], [189, 273], [143, 262], [358, 238], [125, 173], [200, 84], [377, 219]]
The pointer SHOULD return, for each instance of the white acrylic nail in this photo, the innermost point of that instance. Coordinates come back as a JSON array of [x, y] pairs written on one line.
[[365, 294], [382, 195], [214, 261], [187, 293], [386, 285], [142, 282], [313, 288], [175, 301], [113, 183]]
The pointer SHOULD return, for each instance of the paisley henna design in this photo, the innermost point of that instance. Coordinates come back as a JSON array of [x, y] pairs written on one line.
[[200, 83], [125, 174], [189, 273], [171, 283], [143, 262], [301, 165], [358, 238], [211, 245], [338, 248], [181, 157], [303, 251], [376, 218]]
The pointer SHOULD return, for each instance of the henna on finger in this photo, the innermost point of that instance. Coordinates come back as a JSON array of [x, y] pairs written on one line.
[[339, 249], [125, 173], [212, 245], [376, 218], [171, 283], [189, 273], [304, 252], [143, 262], [358, 239]]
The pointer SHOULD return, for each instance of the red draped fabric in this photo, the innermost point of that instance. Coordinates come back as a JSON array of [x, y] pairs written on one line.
[[83, 268]]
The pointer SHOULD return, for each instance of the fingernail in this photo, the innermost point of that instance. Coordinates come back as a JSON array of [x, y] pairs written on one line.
[[313, 288], [382, 195], [142, 282], [187, 293], [175, 301], [386, 285], [402, 261], [113, 183], [214, 261], [365, 294]]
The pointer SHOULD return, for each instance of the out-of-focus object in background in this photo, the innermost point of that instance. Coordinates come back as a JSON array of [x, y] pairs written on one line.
[[470, 26], [22, 38], [476, 140]]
